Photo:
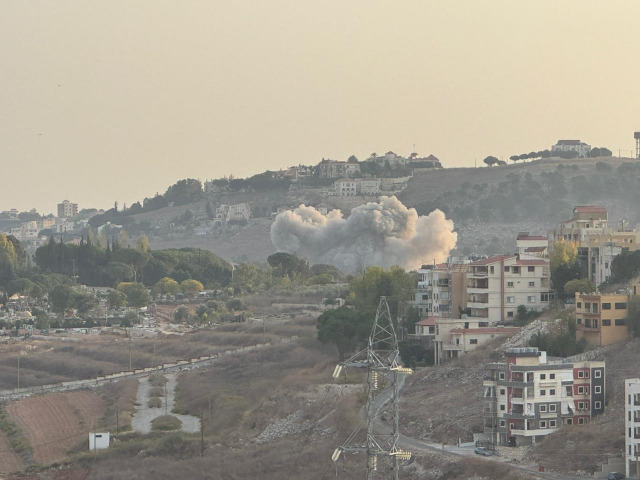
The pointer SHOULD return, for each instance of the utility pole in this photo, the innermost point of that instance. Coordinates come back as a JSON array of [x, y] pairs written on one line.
[[117, 423], [381, 360], [202, 434], [18, 369], [165, 398]]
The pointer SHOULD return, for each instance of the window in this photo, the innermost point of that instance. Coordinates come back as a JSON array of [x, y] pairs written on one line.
[[503, 423], [502, 408], [606, 306], [597, 405], [543, 424], [552, 391], [483, 324], [506, 269], [552, 407], [425, 297], [580, 374], [580, 405], [620, 322], [502, 391], [511, 299], [516, 270], [597, 389], [552, 423], [620, 305], [552, 376], [509, 284], [582, 390], [581, 421], [579, 321], [543, 408], [531, 299], [501, 376], [531, 268], [569, 421], [543, 392], [595, 308], [579, 305], [491, 269], [543, 376], [606, 323], [597, 374], [473, 341], [532, 284], [509, 314], [587, 306]]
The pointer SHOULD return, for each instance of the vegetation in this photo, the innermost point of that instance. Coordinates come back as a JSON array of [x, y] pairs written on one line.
[[583, 285], [157, 380], [625, 266], [166, 423], [345, 327], [633, 315], [564, 267], [562, 343], [154, 402], [13, 433]]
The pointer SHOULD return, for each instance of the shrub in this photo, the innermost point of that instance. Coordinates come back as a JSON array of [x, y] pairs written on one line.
[[156, 392], [166, 423], [155, 402], [157, 380]]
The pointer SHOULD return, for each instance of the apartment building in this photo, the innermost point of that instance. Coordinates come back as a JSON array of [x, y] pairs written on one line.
[[496, 286], [440, 290], [587, 220], [237, 212], [336, 169], [527, 397], [66, 209], [532, 245], [601, 318], [632, 427]]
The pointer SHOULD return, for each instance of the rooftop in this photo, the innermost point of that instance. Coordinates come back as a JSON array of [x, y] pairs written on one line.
[[490, 260], [526, 236], [589, 209], [487, 330], [427, 322]]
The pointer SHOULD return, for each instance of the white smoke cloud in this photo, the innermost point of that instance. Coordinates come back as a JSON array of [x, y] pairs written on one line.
[[383, 234]]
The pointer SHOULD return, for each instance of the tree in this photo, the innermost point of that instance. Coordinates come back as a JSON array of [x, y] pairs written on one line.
[[118, 272], [352, 159], [8, 259], [633, 315], [137, 294], [117, 299], [209, 210], [396, 284], [191, 287], [23, 286], [84, 302], [625, 266], [343, 327], [287, 264], [166, 286], [143, 244], [563, 252], [583, 285], [514, 158], [490, 160], [181, 314], [61, 298]]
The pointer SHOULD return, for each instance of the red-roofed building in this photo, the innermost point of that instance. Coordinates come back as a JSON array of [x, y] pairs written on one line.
[[532, 245], [426, 326]]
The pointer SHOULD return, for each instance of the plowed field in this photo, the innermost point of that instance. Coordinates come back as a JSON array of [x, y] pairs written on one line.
[[54, 423], [10, 461]]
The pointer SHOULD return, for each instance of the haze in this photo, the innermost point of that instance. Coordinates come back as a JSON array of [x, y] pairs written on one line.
[[105, 101]]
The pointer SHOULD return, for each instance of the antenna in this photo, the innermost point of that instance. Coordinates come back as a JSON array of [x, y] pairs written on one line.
[[381, 360]]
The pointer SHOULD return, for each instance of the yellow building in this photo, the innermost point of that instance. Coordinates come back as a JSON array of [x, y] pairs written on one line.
[[601, 318]]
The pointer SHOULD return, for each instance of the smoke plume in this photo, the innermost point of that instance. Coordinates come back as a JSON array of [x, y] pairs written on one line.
[[383, 234]]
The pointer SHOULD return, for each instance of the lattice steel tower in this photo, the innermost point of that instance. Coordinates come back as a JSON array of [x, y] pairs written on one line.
[[383, 371], [636, 135]]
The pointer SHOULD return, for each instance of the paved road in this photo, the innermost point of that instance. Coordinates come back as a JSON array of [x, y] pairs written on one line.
[[144, 415]]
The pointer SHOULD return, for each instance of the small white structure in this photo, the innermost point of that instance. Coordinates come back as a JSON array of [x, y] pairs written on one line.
[[632, 425], [98, 441]]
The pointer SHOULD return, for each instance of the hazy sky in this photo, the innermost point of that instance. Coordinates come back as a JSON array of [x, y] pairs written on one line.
[[115, 100]]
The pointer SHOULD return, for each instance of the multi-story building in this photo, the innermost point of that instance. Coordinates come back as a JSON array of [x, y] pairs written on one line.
[[587, 220], [239, 211], [461, 340], [632, 426], [526, 397], [572, 146], [336, 169], [346, 187], [601, 318], [440, 290], [497, 286], [369, 186], [532, 245], [66, 209], [26, 231]]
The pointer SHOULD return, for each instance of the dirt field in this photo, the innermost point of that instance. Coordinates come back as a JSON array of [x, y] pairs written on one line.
[[9, 460], [54, 423]]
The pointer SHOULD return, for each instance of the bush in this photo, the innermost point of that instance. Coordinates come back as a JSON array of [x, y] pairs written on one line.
[[166, 423], [156, 392], [155, 402], [157, 380]]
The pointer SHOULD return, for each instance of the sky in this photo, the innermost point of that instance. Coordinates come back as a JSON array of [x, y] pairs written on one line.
[[104, 101]]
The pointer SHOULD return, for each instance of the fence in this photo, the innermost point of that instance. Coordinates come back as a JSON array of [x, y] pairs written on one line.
[[177, 366]]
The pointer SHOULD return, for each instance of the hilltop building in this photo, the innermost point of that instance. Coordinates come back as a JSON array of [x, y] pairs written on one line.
[[337, 169], [237, 212], [527, 397], [572, 146], [66, 209]]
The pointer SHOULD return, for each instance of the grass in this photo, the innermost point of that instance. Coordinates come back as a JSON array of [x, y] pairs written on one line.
[[166, 423], [16, 439], [119, 401]]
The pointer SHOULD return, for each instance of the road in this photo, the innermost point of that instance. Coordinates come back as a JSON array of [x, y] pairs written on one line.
[[415, 445]]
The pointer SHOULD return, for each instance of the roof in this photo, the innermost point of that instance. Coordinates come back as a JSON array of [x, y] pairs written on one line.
[[427, 322], [488, 330], [589, 209], [433, 158], [535, 249], [526, 236], [487, 261], [389, 152], [532, 262], [569, 142]]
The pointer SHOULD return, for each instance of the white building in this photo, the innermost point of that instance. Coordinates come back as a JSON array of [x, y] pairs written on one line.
[[346, 188], [572, 146], [532, 245], [98, 441], [497, 286], [66, 209], [632, 426], [239, 211], [370, 186], [26, 231]]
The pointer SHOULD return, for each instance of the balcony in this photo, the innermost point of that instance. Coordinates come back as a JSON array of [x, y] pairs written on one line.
[[452, 347]]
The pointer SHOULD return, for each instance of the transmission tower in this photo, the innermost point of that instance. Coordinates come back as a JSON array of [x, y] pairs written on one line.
[[380, 358]]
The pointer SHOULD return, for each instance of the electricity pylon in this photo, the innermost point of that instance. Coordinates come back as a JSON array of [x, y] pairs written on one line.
[[381, 360]]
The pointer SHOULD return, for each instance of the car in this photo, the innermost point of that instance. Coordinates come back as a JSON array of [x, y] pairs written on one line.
[[485, 452], [615, 476]]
